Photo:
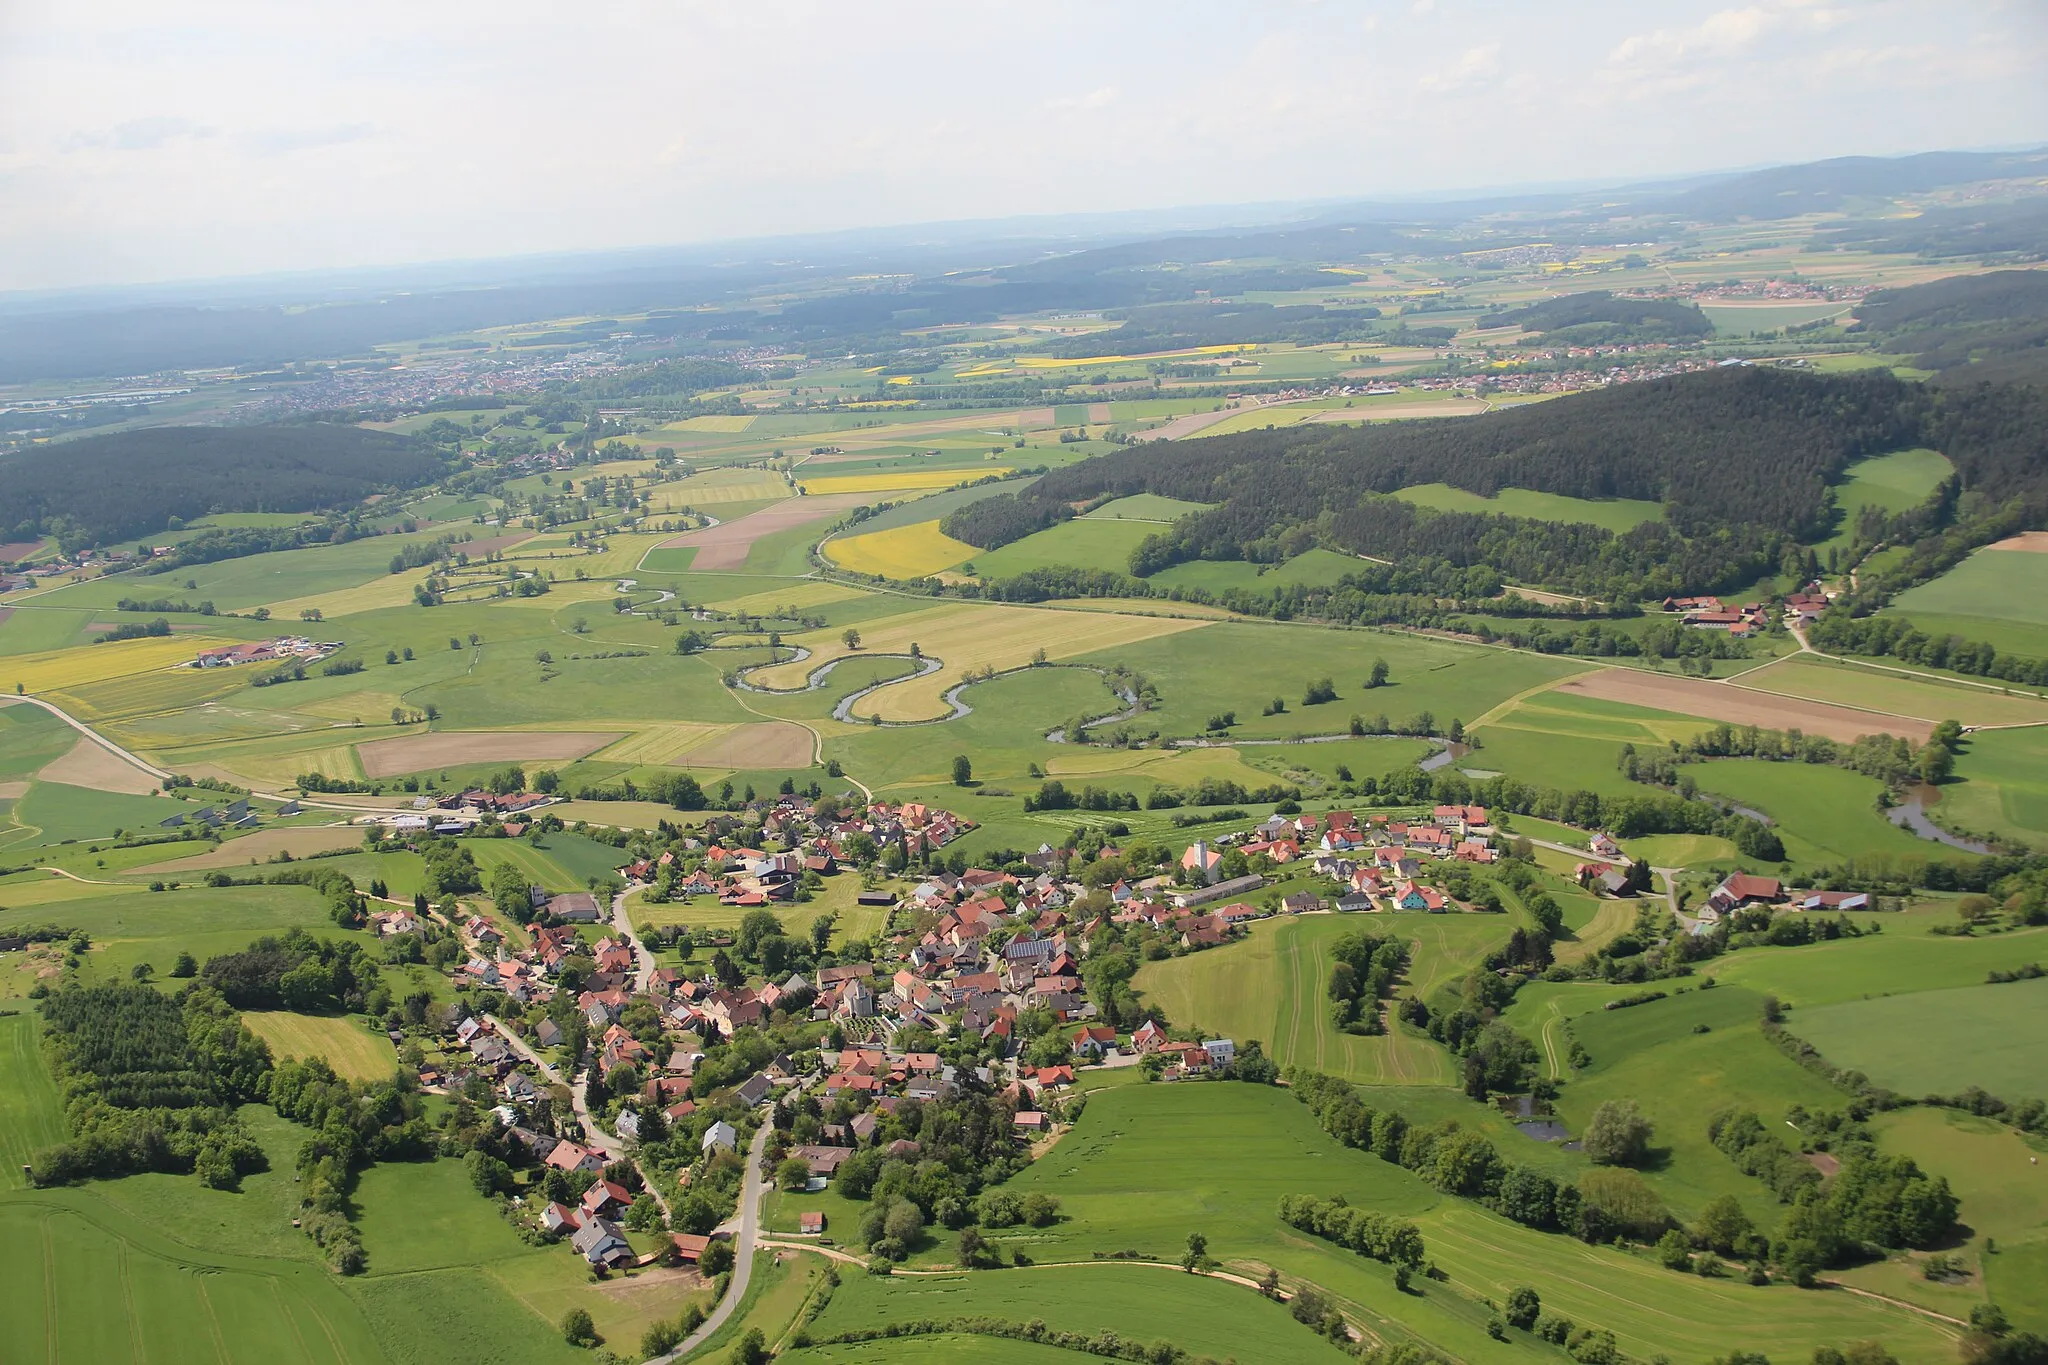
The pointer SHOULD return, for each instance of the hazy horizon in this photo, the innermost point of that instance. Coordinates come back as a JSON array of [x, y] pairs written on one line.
[[244, 141]]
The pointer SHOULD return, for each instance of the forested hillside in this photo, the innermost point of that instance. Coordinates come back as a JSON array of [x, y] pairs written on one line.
[[1971, 327], [108, 488], [1741, 458], [1597, 318]]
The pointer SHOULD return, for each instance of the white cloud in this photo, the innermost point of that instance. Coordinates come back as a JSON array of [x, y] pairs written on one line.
[[1477, 66], [1099, 98]]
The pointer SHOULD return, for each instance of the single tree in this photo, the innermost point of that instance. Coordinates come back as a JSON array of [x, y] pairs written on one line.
[[578, 1329], [1197, 1252], [851, 637], [1619, 1134], [963, 770]]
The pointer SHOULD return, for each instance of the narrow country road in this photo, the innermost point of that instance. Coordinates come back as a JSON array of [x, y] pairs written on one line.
[[622, 923], [579, 1094], [742, 1251]]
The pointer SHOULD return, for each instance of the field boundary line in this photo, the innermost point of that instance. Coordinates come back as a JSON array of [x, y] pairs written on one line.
[[1492, 717]]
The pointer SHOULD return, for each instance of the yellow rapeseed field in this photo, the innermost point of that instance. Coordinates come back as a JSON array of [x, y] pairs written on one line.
[[83, 664], [966, 637], [901, 552], [892, 482]]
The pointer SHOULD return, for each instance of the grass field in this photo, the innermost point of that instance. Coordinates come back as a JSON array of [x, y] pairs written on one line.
[[1823, 814], [1615, 514], [1084, 543], [1937, 1042], [2005, 786], [31, 1118], [1901, 957], [966, 638], [1146, 507], [1149, 1163], [1271, 987], [1896, 483], [50, 670], [1317, 568], [355, 1053], [915, 551], [1992, 585], [88, 1287]]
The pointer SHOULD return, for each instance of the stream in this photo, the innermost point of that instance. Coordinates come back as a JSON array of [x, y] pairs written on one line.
[[1911, 815]]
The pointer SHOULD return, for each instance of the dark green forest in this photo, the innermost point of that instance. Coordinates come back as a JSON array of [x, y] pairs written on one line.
[[1968, 327], [1597, 318], [104, 489], [1742, 459]]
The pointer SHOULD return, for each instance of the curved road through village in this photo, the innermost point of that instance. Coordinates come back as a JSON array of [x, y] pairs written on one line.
[[745, 1241]]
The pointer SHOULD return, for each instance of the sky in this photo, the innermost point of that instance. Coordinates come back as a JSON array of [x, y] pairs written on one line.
[[145, 141]]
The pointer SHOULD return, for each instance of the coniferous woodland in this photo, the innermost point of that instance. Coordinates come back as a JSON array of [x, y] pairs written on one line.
[[133, 483], [1741, 459]]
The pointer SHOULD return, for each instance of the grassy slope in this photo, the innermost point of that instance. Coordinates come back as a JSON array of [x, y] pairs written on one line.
[[1614, 514], [1937, 1042], [2005, 786]]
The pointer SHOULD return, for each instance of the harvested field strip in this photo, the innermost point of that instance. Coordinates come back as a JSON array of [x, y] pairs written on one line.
[[1740, 706], [385, 590], [90, 764], [96, 663], [449, 748], [1801, 675], [725, 546], [903, 552], [261, 847], [769, 744], [908, 479], [355, 1053], [964, 638]]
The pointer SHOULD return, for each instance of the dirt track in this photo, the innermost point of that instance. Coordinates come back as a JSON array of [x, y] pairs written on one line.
[[1741, 706], [725, 545], [2035, 542]]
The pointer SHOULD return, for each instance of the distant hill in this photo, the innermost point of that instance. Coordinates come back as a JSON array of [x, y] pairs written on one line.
[[1597, 318], [1820, 186], [1967, 327], [2013, 231], [104, 489]]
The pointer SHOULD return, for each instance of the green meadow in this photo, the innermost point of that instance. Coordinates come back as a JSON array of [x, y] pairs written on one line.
[[1317, 568], [1892, 483], [1083, 543], [1613, 514], [2004, 790], [1824, 814], [1995, 595], [1939, 1041]]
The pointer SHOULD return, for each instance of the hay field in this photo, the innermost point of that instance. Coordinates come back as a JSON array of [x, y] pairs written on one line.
[[1936, 1042], [450, 748], [355, 1053], [657, 741], [767, 744], [51, 669], [906, 481], [966, 637], [1799, 675], [903, 552], [795, 597], [716, 486], [1740, 705], [385, 590]]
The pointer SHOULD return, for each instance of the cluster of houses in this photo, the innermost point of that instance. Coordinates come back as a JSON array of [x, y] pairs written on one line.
[[234, 815], [1711, 613], [264, 651], [1374, 859], [817, 838], [1743, 889]]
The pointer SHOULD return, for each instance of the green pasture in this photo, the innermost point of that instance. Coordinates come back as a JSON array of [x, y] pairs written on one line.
[[1900, 958], [31, 628], [1272, 987], [1241, 666], [235, 584], [1893, 483], [1656, 1055], [1823, 814], [29, 738], [938, 1349], [1939, 1041], [2004, 791], [31, 1113], [1316, 568], [1614, 514], [2003, 634], [1927, 697], [2007, 585], [1083, 543], [1142, 1169], [1138, 1302], [1146, 507]]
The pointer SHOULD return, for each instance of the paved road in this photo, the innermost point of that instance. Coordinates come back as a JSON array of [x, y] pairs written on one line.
[[579, 1092], [622, 924], [742, 1251]]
